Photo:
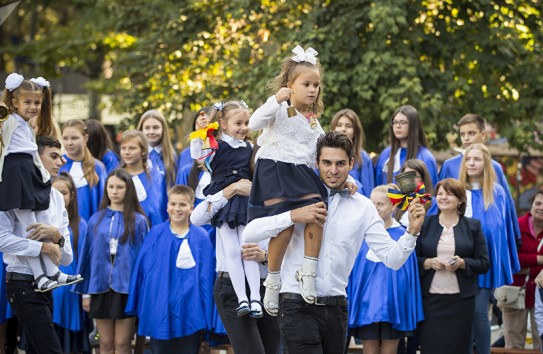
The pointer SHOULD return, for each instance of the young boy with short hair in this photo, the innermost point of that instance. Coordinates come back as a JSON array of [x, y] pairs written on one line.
[[171, 289]]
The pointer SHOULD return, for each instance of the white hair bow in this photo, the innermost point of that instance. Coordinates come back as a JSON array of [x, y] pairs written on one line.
[[13, 81], [310, 55], [41, 82], [218, 105]]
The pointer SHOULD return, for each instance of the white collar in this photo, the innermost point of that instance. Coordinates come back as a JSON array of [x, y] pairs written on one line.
[[157, 148], [177, 235], [234, 143]]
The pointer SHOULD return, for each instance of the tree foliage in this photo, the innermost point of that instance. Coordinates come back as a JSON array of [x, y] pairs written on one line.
[[446, 58]]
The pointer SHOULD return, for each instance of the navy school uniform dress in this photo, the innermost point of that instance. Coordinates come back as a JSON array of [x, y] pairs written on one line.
[[88, 198], [106, 277], [229, 165], [173, 299]]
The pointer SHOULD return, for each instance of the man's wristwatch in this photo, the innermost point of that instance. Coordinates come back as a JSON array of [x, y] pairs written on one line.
[[60, 242]]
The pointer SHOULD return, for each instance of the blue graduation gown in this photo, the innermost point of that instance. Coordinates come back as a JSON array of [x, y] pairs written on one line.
[[451, 169], [363, 175], [68, 311], [502, 249], [182, 178], [155, 204], [5, 310], [157, 161], [184, 158], [111, 161], [185, 296], [381, 294], [94, 263], [424, 155], [88, 199]]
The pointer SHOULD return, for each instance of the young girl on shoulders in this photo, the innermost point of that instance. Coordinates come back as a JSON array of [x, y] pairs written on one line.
[[25, 184], [148, 181], [346, 121], [162, 155], [108, 252], [100, 145], [285, 176], [407, 141], [229, 163], [88, 173]]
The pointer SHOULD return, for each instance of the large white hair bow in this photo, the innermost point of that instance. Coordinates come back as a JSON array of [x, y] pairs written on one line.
[[310, 55], [13, 81], [41, 82]]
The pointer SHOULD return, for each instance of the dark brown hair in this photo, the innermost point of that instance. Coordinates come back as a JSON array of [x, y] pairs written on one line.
[[415, 137], [131, 204], [451, 185], [335, 140]]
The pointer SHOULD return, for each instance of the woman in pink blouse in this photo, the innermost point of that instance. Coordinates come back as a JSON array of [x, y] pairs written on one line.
[[451, 252]]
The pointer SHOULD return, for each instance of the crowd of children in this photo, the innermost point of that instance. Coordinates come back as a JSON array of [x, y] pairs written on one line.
[[140, 265]]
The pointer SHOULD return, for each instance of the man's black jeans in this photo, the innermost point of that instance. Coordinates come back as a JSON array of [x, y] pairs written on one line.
[[312, 329], [35, 314]]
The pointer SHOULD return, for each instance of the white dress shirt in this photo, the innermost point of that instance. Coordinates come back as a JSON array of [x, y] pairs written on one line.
[[16, 248], [350, 221], [201, 216]]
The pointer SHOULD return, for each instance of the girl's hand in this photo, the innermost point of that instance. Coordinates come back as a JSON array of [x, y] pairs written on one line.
[[352, 187], [283, 94], [202, 122]]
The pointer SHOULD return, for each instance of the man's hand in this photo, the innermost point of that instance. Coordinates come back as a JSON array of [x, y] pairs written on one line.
[[53, 251], [241, 188], [252, 252], [313, 213], [416, 214], [42, 232]]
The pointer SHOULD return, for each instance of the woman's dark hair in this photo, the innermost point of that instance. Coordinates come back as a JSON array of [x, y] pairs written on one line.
[[415, 137], [131, 203], [451, 185], [99, 141]]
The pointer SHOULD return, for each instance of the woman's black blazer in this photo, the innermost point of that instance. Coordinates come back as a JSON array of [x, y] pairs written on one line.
[[470, 245]]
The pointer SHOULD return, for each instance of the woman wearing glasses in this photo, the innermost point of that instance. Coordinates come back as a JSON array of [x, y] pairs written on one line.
[[407, 141]]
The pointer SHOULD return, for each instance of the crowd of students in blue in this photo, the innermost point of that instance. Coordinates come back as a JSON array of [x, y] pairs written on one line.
[[164, 276]]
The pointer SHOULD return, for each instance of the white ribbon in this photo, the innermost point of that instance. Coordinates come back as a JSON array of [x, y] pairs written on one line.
[[40, 81], [218, 105], [185, 260], [140, 189], [76, 171], [310, 55], [13, 81]]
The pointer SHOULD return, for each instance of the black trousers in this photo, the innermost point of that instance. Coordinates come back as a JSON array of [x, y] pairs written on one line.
[[34, 311], [312, 329], [247, 335], [184, 345]]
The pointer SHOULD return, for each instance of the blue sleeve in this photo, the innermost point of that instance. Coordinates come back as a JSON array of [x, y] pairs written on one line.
[[430, 162], [511, 211], [380, 176], [85, 257], [368, 179]]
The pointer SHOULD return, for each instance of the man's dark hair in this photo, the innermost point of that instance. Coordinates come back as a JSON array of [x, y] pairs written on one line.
[[45, 141], [335, 140]]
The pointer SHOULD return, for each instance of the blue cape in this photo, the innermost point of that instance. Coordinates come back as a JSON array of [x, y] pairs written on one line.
[[424, 155], [184, 158], [88, 199], [155, 204], [451, 169], [381, 294], [94, 263], [67, 310], [363, 175], [185, 296], [498, 231], [5, 310], [111, 161]]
